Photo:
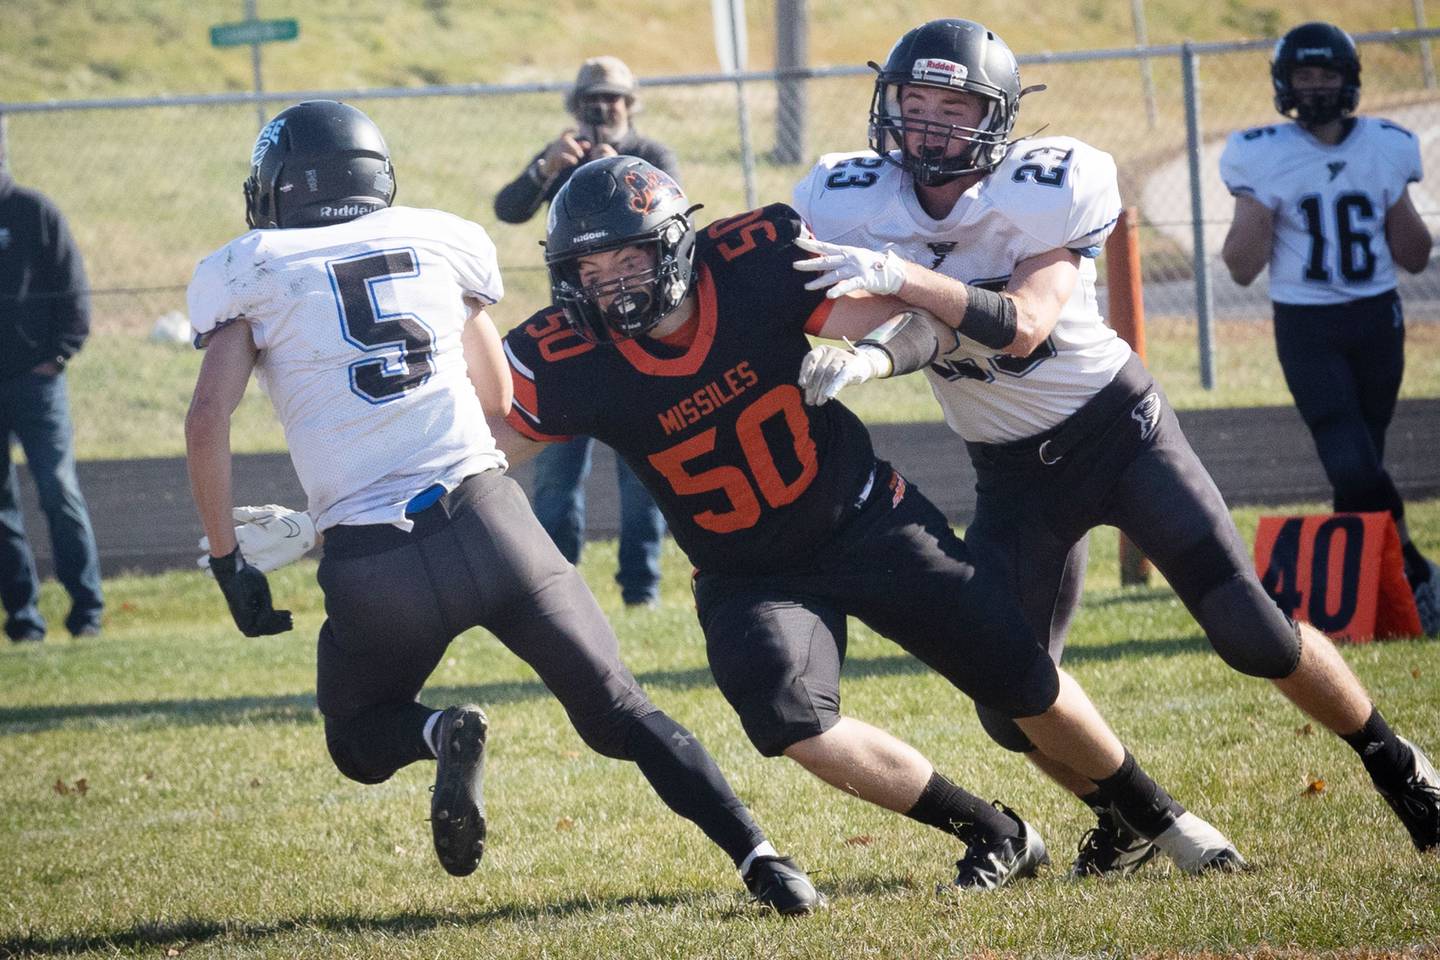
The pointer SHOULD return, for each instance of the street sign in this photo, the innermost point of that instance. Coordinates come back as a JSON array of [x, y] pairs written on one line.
[[253, 31]]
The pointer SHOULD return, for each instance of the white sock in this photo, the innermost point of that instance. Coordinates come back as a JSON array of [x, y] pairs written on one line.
[[429, 732], [764, 850]]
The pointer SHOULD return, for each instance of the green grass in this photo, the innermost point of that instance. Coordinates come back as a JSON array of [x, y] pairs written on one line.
[[213, 824]]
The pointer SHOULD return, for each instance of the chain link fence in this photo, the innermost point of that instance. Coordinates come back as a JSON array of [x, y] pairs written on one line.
[[152, 186]]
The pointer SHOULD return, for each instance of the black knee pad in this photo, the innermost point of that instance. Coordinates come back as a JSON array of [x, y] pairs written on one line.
[[1248, 630], [609, 734], [341, 744], [1026, 694], [1004, 731]]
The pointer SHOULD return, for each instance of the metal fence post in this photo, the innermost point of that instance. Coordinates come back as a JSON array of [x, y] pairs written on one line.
[[1427, 64], [1147, 78], [1191, 69], [4, 145], [791, 53]]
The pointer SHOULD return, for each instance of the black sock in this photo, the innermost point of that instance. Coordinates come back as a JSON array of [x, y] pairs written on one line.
[[685, 776], [1095, 800], [1141, 802], [959, 812], [1386, 759], [1417, 569]]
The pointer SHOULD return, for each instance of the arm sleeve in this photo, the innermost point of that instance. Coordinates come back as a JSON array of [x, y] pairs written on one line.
[[476, 264], [70, 310], [518, 200], [537, 391], [206, 301]]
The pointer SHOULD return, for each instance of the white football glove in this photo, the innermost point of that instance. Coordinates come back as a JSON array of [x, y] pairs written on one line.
[[828, 369], [270, 536], [881, 272]]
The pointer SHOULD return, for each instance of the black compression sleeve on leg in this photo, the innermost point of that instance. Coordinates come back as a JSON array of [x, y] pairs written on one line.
[[685, 776], [990, 318], [959, 812]]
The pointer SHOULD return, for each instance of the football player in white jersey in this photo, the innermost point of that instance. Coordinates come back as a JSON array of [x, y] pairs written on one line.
[[1066, 428], [1325, 203], [367, 325]]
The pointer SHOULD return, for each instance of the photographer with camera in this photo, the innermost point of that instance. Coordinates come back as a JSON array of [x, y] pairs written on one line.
[[602, 103]]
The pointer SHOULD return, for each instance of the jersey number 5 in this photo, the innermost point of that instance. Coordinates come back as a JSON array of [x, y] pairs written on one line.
[[783, 401], [362, 323]]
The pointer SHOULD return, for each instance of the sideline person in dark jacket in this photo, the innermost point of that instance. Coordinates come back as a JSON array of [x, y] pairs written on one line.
[[602, 103], [44, 320]]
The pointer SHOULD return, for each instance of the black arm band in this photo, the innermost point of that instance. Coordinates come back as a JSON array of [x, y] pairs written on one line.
[[910, 340], [989, 318]]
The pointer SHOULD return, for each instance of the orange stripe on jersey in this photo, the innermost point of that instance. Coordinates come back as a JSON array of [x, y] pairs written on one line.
[[818, 316], [522, 426], [690, 361], [525, 395]]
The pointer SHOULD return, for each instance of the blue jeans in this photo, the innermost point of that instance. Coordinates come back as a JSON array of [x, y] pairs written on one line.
[[559, 502], [35, 410]]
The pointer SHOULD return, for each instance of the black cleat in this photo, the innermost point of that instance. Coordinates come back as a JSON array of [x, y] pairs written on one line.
[[1417, 802], [457, 808], [991, 864], [777, 883], [1111, 849]]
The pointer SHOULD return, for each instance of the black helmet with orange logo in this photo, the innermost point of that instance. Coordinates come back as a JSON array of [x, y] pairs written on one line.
[[606, 205]]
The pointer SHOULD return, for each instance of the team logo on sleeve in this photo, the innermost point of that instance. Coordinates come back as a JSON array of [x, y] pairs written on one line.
[[1147, 414]]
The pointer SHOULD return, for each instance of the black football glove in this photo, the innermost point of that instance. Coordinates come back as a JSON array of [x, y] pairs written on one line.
[[248, 594]]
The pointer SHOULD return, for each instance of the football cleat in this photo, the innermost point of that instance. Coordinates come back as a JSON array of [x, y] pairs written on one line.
[[1427, 603], [778, 884], [1111, 849], [1417, 803], [457, 808], [991, 864], [1197, 847]]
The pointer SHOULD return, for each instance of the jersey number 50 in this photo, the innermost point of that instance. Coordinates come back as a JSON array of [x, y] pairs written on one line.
[[783, 401]]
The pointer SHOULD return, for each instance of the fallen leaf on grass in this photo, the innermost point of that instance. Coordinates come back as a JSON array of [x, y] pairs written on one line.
[[1415, 672], [1304, 731], [565, 823], [61, 787], [257, 782], [861, 840], [81, 787], [1314, 788]]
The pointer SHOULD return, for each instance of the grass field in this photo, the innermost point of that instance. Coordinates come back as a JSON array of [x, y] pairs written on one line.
[[167, 793]]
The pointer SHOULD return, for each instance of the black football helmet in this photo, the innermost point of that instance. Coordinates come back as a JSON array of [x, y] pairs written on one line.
[[953, 55], [1316, 45], [318, 162], [607, 204]]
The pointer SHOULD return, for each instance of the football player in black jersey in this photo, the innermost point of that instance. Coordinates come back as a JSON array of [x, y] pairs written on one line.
[[681, 351]]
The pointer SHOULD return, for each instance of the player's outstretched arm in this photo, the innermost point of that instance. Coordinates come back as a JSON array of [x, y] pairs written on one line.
[[224, 374], [486, 365], [907, 340], [1014, 322], [1251, 238]]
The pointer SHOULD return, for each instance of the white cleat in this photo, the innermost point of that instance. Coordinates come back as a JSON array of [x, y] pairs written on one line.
[[1197, 847]]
